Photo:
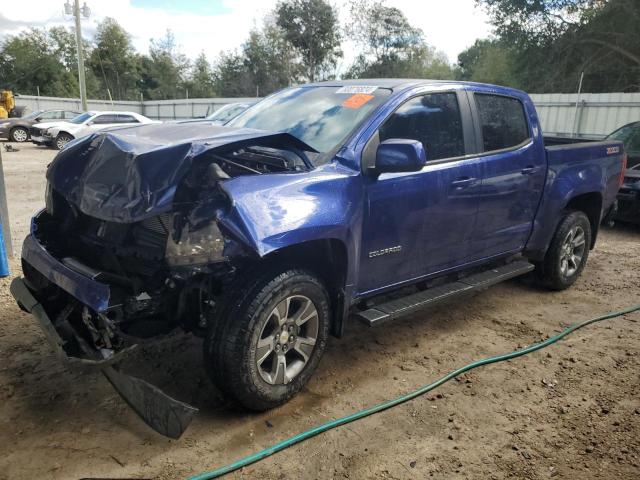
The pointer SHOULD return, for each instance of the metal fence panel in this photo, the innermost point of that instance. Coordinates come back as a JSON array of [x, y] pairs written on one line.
[[596, 115], [33, 103], [155, 109], [187, 108], [589, 115]]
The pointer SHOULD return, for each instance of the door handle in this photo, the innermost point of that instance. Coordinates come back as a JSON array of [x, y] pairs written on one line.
[[529, 170], [463, 182]]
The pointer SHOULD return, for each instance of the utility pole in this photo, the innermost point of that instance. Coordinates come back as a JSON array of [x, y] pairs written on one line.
[[76, 10]]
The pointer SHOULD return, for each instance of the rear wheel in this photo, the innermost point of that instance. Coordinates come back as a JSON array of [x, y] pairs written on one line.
[[19, 134], [568, 252], [269, 340], [61, 140]]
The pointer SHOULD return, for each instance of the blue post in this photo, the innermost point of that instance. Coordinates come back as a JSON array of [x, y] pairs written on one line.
[[4, 263]]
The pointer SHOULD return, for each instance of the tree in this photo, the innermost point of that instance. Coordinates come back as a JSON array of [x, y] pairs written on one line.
[[113, 61], [312, 28], [539, 22], [32, 60], [266, 63], [231, 76], [487, 61], [201, 82], [391, 46], [552, 42], [163, 71]]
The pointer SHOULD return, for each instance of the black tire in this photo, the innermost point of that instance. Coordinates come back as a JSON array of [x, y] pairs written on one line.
[[61, 140], [231, 344], [552, 272], [19, 134]]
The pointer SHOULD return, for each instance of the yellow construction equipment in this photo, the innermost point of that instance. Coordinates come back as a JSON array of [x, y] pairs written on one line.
[[7, 103]]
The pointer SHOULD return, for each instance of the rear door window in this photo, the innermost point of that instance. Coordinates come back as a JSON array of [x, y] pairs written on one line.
[[502, 121], [434, 120], [104, 119], [126, 119], [52, 115]]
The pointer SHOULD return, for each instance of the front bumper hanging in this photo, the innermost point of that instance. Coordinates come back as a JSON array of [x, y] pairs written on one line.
[[166, 415]]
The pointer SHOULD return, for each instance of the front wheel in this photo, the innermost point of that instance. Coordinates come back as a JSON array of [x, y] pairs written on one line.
[[269, 339], [568, 252], [62, 139]]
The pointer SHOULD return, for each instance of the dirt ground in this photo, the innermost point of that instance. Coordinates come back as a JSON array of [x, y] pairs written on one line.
[[570, 411]]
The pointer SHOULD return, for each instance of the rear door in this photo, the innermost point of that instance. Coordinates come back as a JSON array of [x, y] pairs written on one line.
[[421, 222], [514, 167]]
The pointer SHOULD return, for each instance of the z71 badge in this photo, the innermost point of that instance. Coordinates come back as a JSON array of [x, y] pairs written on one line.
[[613, 150], [385, 251]]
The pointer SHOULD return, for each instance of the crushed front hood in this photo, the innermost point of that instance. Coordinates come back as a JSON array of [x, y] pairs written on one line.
[[130, 174]]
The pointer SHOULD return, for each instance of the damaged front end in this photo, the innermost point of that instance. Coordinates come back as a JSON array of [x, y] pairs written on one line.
[[135, 242]]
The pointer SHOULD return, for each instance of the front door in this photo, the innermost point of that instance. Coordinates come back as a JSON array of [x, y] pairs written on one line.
[[422, 222]]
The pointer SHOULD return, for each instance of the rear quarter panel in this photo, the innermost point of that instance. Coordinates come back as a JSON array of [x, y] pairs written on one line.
[[573, 170]]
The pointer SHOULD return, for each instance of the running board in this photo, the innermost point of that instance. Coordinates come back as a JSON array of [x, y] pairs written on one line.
[[442, 293]]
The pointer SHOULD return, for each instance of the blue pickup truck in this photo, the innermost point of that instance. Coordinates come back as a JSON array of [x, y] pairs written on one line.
[[323, 203]]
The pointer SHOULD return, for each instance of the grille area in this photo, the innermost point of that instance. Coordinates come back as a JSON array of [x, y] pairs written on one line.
[[118, 248]]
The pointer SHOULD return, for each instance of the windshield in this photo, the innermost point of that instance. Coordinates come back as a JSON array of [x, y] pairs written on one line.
[[33, 115], [319, 116], [226, 113], [81, 118]]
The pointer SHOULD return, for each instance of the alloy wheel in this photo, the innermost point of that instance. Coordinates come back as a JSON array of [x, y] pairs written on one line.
[[572, 251], [19, 135], [287, 340]]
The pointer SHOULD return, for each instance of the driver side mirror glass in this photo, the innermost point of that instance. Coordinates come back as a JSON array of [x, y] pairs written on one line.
[[400, 155]]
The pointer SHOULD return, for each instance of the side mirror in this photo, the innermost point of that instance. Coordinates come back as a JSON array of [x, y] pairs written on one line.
[[400, 155]]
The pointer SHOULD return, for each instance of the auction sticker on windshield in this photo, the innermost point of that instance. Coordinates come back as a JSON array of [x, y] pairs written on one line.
[[357, 89], [357, 100]]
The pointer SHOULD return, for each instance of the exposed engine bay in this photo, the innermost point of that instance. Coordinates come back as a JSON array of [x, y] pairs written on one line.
[[164, 271]]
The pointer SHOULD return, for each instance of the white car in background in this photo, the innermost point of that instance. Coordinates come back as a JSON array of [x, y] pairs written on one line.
[[60, 133]]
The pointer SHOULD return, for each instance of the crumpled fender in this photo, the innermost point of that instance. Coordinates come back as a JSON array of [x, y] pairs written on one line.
[[270, 212], [132, 173]]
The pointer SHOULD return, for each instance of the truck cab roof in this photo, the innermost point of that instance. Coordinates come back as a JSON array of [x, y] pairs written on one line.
[[399, 84]]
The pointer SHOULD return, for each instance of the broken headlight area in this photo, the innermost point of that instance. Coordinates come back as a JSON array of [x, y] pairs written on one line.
[[193, 247]]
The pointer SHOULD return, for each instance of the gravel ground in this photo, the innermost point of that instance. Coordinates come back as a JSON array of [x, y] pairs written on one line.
[[570, 411]]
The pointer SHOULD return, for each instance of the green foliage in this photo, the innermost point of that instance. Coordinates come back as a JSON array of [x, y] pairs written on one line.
[[35, 59], [114, 62], [551, 42], [313, 30], [487, 61], [164, 70], [201, 83], [266, 63], [391, 46]]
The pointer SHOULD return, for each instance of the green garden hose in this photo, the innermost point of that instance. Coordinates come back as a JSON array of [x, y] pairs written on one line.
[[312, 432]]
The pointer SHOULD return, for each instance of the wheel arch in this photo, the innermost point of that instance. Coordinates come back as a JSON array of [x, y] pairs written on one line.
[[591, 205], [326, 258]]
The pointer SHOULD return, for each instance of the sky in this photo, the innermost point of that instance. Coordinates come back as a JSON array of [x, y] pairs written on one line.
[[212, 26]]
